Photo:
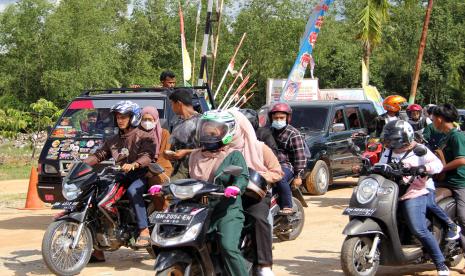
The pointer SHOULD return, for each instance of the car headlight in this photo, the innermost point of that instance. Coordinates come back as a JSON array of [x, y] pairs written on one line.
[[50, 169], [190, 234], [367, 190], [70, 191], [185, 192]]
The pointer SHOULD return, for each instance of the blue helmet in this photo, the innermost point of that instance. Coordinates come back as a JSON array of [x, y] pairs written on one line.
[[128, 107]]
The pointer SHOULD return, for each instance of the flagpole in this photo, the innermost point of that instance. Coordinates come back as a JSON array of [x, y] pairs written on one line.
[[184, 54], [219, 13], [232, 84], [245, 94], [246, 100], [230, 65], [203, 63], [238, 91], [197, 23]]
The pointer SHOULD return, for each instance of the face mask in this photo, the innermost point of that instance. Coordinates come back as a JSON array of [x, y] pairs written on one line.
[[148, 125], [278, 124]]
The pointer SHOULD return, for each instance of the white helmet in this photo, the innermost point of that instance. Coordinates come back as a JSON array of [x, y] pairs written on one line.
[[398, 134]]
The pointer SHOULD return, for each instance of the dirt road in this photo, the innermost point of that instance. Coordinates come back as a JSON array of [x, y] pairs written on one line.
[[315, 252]]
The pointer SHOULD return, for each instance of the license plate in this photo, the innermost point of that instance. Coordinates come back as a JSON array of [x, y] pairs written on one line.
[[364, 212], [64, 205], [170, 218]]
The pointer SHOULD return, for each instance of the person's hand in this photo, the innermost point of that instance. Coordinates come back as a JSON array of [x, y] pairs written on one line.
[[297, 182], [155, 189], [179, 154], [356, 169], [232, 191], [129, 167]]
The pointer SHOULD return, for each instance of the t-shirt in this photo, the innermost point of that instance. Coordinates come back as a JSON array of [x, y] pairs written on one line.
[[455, 148], [183, 134], [433, 136]]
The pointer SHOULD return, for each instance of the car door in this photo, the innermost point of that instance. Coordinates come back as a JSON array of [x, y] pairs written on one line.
[[338, 143], [359, 131]]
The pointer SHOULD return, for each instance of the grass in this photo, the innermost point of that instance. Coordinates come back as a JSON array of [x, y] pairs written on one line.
[[15, 163], [12, 200]]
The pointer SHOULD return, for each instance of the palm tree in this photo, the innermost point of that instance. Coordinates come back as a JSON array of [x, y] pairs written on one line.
[[371, 19]]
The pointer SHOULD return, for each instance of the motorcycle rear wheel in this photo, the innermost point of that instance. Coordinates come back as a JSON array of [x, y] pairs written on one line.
[[56, 248], [177, 269], [299, 215], [353, 257]]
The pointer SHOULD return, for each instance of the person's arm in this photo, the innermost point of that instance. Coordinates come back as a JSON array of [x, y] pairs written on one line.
[[146, 154], [454, 164], [427, 132], [433, 163], [459, 149], [241, 181], [274, 172], [299, 160], [100, 155]]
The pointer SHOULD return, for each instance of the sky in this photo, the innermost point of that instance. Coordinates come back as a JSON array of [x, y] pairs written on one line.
[[4, 3]]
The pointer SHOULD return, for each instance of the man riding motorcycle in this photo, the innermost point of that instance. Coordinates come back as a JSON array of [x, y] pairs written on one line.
[[393, 105], [133, 148], [416, 120]]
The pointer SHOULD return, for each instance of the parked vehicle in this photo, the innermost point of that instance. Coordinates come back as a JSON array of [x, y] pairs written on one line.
[[328, 127], [68, 241], [84, 125], [376, 233], [180, 236]]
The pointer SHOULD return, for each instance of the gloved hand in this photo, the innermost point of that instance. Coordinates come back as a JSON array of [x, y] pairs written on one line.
[[155, 189], [231, 191], [420, 170]]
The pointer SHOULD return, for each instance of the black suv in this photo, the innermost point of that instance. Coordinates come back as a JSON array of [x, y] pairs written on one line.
[[329, 129], [73, 137]]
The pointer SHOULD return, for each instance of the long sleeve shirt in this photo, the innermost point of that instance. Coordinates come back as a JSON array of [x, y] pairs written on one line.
[[291, 151], [274, 172]]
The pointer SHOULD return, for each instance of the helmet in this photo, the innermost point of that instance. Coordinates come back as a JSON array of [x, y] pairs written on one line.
[[397, 134], [216, 128], [257, 186], [128, 107], [251, 115], [414, 107], [394, 103], [281, 107]]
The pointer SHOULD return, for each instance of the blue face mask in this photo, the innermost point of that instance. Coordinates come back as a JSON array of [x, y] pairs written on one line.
[[278, 124]]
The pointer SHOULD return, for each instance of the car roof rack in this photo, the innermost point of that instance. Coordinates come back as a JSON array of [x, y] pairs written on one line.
[[120, 90]]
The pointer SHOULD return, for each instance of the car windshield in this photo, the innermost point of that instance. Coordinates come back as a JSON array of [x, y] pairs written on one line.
[[92, 118], [309, 118]]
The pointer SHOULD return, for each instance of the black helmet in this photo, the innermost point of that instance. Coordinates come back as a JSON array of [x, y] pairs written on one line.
[[397, 134], [251, 115], [257, 186]]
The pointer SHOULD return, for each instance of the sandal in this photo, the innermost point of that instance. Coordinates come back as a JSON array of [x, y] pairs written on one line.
[[286, 212], [143, 241]]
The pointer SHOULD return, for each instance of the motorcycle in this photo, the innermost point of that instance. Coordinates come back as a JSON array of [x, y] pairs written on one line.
[[373, 150], [68, 241], [180, 236], [375, 232]]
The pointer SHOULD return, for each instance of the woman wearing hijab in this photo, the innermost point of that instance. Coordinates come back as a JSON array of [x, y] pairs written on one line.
[[260, 158], [151, 123], [216, 130]]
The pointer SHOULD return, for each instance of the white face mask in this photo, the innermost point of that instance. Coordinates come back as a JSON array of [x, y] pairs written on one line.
[[278, 124], [148, 125]]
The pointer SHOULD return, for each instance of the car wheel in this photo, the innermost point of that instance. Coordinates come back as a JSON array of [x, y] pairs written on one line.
[[318, 181]]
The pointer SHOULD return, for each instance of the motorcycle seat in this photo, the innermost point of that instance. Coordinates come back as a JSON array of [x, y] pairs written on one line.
[[442, 193]]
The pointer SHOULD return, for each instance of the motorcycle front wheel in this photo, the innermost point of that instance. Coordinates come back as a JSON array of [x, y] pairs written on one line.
[[57, 252], [354, 259]]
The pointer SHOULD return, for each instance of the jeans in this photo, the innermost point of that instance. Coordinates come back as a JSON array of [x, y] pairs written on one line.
[[135, 194], [283, 189], [415, 214], [436, 210]]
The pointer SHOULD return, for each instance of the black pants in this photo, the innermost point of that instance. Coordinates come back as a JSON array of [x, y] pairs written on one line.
[[259, 210]]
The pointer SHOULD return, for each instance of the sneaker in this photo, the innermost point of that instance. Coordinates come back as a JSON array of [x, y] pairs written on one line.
[[453, 233], [442, 269], [266, 271]]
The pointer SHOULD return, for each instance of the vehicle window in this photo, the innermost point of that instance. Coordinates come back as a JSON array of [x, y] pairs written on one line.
[[353, 116], [311, 118], [369, 114], [338, 119], [92, 118]]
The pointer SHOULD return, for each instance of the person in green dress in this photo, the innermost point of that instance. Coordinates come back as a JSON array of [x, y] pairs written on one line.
[[215, 133]]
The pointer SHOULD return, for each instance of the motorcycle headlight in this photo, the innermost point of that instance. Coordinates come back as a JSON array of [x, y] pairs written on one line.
[[185, 192], [367, 190], [70, 191], [190, 234]]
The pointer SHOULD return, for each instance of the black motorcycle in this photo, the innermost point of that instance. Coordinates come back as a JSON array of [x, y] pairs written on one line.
[[376, 233], [68, 242], [180, 236]]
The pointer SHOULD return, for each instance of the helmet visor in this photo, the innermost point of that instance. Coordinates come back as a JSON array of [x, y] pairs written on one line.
[[211, 131]]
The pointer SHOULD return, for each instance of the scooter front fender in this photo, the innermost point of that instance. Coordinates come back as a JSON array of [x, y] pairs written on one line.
[[362, 226], [166, 259]]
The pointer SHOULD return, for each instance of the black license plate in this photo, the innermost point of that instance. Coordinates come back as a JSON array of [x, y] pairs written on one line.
[[64, 205], [170, 218], [364, 212]]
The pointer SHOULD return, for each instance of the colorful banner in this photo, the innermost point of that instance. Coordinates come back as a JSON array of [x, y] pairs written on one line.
[[304, 58], [186, 60]]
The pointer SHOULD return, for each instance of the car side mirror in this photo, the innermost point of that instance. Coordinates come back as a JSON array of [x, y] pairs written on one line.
[[233, 170], [338, 127], [420, 150], [155, 168]]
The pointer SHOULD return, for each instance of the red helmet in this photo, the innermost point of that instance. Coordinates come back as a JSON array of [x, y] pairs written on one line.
[[414, 107], [281, 107]]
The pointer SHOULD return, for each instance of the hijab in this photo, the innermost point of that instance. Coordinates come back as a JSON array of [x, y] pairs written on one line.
[[156, 132]]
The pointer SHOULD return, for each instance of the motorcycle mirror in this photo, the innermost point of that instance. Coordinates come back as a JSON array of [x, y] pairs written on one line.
[[155, 168], [420, 150], [233, 170]]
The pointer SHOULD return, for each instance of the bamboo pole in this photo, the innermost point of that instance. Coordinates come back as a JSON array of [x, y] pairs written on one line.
[[219, 13], [237, 91], [232, 84]]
